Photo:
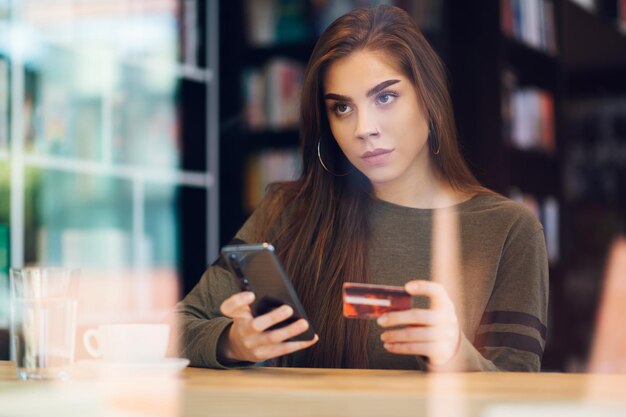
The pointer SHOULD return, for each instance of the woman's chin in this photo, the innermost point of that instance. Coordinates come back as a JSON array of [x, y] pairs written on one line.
[[380, 178]]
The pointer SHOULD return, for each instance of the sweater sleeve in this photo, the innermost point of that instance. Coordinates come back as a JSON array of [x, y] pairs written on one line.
[[200, 321], [512, 332]]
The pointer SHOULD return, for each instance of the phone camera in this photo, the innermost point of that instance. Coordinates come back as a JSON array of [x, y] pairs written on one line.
[[245, 284], [235, 265]]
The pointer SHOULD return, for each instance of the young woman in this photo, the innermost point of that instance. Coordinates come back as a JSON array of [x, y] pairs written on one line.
[[380, 159]]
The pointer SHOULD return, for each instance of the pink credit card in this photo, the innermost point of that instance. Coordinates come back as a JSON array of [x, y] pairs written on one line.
[[370, 301]]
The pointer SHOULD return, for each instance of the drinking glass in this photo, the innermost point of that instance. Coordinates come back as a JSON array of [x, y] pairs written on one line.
[[43, 321]]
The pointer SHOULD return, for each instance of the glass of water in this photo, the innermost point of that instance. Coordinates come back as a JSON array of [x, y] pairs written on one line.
[[43, 321]]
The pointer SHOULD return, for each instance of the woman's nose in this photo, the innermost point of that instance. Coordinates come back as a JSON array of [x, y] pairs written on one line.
[[365, 128]]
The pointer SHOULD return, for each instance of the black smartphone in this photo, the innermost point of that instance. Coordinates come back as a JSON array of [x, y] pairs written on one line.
[[259, 270]]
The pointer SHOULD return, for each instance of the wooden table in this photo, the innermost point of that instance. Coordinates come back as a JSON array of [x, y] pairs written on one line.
[[279, 392]]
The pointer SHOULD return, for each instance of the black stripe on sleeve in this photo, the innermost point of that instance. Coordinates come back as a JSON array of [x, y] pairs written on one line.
[[514, 317], [220, 260], [511, 340]]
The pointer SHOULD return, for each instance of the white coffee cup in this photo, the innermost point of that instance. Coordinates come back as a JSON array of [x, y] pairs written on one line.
[[126, 343]]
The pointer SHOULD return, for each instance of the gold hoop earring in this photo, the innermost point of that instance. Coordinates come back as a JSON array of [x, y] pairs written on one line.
[[319, 156]]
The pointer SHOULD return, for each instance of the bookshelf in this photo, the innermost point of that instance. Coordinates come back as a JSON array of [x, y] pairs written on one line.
[[584, 75], [508, 93], [109, 137], [277, 36], [251, 53], [594, 57]]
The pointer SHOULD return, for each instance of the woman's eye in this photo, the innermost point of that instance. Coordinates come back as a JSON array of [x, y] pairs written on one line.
[[341, 108], [385, 98]]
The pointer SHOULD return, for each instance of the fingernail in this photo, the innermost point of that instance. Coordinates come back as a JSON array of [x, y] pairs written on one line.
[[249, 296], [387, 346], [413, 286], [382, 320], [288, 311]]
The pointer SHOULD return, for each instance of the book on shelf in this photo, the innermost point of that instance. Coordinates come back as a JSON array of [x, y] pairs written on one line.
[[550, 220], [266, 167], [271, 95], [270, 22], [527, 115], [530, 21], [532, 127], [143, 126], [260, 18], [253, 91], [547, 211]]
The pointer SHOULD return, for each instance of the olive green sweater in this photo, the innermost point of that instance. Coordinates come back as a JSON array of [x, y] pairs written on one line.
[[504, 273]]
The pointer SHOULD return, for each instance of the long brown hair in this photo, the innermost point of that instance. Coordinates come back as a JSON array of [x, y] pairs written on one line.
[[319, 223]]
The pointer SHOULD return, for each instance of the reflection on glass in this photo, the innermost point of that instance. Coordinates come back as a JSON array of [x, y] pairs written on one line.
[[79, 220], [4, 101], [98, 106], [161, 225], [89, 132], [100, 80], [608, 350], [99, 144]]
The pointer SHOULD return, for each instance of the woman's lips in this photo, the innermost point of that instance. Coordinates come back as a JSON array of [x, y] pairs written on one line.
[[377, 156]]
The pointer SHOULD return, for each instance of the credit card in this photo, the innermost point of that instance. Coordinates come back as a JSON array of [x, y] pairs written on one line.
[[370, 301]]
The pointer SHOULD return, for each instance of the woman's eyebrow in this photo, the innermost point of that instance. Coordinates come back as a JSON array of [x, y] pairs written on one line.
[[338, 97], [370, 92], [380, 87]]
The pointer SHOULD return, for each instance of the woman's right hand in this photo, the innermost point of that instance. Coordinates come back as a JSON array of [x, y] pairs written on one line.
[[247, 340]]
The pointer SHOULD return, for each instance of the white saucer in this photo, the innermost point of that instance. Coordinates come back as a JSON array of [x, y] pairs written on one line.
[[166, 366]]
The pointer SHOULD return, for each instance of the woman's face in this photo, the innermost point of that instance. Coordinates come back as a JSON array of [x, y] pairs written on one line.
[[375, 116]]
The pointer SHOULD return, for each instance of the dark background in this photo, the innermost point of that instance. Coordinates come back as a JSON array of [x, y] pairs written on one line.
[[587, 72]]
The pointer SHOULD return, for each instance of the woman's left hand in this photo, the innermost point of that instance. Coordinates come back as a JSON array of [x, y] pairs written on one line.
[[432, 332]]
